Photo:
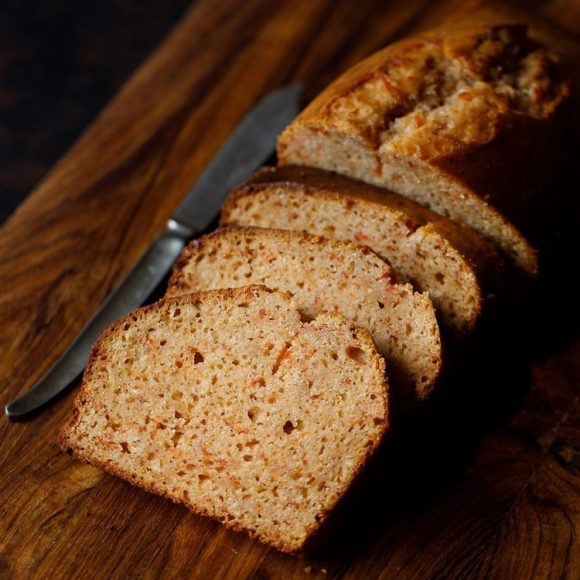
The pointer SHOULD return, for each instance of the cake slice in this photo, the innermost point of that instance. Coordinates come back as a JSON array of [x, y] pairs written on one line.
[[457, 267], [325, 276], [465, 121], [227, 403]]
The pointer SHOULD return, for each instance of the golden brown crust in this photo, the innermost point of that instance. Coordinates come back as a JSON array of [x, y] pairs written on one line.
[[476, 108], [500, 68]]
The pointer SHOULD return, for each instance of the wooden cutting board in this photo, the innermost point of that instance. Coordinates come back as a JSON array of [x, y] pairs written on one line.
[[484, 482]]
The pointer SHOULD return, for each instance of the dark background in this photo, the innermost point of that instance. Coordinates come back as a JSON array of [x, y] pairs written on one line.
[[60, 63]]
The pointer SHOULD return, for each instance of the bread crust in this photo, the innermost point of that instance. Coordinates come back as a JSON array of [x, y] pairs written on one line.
[[439, 104]]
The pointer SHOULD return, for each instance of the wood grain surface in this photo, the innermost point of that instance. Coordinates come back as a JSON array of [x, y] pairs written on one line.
[[484, 482]]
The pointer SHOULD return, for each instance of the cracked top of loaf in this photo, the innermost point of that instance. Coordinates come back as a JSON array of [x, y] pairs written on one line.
[[420, 97]]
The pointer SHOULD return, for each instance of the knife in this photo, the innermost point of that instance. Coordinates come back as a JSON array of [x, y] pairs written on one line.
[[249, 146]]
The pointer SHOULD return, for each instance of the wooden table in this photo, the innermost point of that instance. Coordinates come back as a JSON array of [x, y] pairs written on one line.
[[483, 482]]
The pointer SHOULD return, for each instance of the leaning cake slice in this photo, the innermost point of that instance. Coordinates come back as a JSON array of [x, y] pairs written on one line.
[[228, 403]]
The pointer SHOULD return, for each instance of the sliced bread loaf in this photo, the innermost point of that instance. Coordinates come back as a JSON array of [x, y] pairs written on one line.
[[227, 403], [462, 120], [456, 266], [324, 276]]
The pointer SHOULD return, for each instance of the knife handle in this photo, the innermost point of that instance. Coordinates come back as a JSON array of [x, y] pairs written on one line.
[[131, 293]]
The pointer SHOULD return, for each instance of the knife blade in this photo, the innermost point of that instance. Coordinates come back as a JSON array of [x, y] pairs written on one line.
[[249, 146]]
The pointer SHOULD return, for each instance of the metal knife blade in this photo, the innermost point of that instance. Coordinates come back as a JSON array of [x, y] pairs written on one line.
[[248, 147]]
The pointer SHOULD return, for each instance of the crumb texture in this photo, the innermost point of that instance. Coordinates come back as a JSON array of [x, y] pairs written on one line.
[[452, 263], [228, 403], [325, 276]]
